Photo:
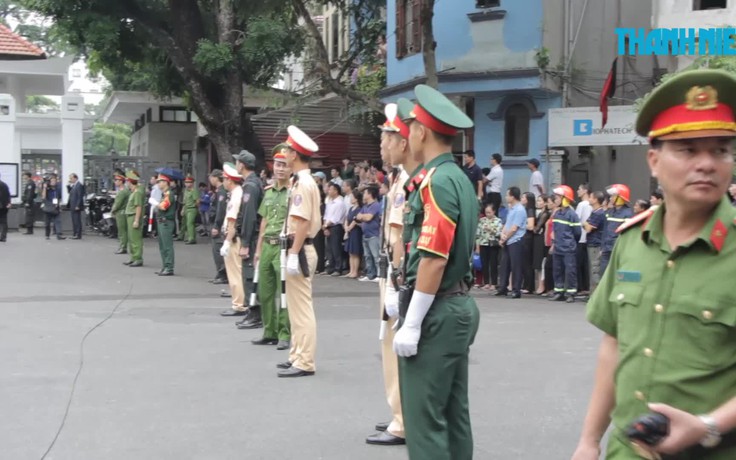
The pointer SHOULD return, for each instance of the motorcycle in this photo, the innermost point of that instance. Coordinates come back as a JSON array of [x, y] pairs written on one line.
[[99, 213]]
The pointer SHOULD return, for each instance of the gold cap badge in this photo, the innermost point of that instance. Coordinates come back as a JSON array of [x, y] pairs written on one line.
[[701, 98]]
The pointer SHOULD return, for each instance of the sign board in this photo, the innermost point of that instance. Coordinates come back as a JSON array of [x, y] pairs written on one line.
[[9, 175], [578, 126]]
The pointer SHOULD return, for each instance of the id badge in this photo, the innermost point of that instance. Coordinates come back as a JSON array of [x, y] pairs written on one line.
[[55, 201]]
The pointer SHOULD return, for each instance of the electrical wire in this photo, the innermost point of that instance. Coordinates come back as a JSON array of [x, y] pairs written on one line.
[[79, 370]]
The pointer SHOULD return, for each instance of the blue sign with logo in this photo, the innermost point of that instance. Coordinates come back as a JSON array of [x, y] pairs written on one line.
[[582, 127]]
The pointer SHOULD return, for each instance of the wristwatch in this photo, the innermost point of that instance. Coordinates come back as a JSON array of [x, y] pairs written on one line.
[[713, 436]]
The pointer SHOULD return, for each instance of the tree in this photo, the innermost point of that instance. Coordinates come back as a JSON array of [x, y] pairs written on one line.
[[41, 104], [205, 50], [33, 27], [428, 43], [366, 30], [106, 138]]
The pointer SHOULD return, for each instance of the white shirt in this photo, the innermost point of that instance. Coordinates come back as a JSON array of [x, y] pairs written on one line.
[[495, 180], [536, 179], [583, 210], [335, 210]]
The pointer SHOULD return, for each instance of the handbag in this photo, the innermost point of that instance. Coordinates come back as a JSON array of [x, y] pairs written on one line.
[[50, 208]]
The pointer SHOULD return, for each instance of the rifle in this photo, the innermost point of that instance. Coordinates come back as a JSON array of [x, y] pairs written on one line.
[[283, 244]]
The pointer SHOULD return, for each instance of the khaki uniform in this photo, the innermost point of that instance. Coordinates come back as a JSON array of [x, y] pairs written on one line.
[[233, 261], [392, 228], [305, 204]]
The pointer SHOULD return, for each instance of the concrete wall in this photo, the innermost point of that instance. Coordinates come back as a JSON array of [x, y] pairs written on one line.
[[164, 139], [465, 46]]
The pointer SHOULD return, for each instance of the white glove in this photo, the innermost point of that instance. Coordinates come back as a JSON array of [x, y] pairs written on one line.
[[406, 340], [292, 264], [225, 249], [391, 301], [152, 201]]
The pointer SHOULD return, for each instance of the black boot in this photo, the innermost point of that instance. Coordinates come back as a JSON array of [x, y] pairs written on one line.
[[558, 297]]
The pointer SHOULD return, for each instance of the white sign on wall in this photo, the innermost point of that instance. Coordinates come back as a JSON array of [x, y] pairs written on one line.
[[577, 126]]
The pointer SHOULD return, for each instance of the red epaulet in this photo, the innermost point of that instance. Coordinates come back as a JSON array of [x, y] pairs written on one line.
[[631, 222], [417, 180], [267, 187]]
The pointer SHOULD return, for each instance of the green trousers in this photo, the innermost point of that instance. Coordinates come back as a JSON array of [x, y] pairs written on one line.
[[275, 319], [434, 383], [135, 236], [121, 221], [190, 215], [166, 244]]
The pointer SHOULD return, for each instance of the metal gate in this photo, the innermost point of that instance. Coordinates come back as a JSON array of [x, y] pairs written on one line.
[[98, 169]]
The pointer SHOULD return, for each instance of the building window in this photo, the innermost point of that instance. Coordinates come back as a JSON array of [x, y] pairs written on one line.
[[699, 5], [335, 37], [516, 132], [408, 27], [481, 4], [175, 115], [77, 73]]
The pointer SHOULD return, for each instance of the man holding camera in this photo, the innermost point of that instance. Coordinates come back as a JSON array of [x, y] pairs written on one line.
[[666, 303]]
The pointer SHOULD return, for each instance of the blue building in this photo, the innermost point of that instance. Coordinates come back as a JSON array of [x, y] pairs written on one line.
[[487, 62]]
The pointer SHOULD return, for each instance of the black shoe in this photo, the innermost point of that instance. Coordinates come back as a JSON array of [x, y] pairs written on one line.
[[190, 242], [383, 426], [251, 325], [219, 281], [264, 341], [137, 263], [60, 237], [128, 262], [27, 233], [166, 273], [516, 296], [76, 237], [121, 251], [384, 438], [283, 345], [570, 299], [48, 238], [501, 293], [558, 297], [232, 312], [294, 372], [225, 294], [284, 365]]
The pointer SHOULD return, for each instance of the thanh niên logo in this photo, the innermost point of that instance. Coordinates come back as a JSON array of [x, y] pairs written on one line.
[[672, 42]]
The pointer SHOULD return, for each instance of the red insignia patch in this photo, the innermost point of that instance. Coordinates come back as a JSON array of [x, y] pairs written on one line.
[[718, 235], [438, 230]]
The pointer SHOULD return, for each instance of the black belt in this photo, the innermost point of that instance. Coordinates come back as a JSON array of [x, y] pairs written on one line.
[[161, 220], [272, 240], [460, 288]]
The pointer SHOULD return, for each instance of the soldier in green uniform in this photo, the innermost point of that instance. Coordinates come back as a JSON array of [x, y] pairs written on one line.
[[441, 319], [166, 220], [118, 210], [190, 210], [134, 215], [267, 257], [666, 303]]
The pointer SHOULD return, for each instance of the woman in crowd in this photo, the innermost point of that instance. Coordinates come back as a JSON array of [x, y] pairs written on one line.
[[354, 235], [549, 282], [539, 251], [529, 202], [487, 245], [641, 206]]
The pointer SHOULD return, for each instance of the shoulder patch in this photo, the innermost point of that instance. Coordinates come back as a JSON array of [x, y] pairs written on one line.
[[246, 197], [399, 200], [297, 200], [636, 220]]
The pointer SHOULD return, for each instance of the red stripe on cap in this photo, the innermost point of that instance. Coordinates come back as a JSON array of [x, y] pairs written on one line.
[[428, 120], [403, 127], [295, 145]]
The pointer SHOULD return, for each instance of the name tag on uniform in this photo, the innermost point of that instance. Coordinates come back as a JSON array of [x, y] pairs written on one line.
[[628, 276]]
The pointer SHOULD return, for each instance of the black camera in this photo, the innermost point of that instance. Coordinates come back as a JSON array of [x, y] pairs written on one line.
[[649, 429], [383, 266]]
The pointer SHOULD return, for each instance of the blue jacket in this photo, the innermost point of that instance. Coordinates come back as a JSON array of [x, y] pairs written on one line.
[[614, 218], [566, 228], [76, 196]]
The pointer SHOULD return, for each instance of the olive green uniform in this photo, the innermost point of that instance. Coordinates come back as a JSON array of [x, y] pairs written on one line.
[[135, 235], [273, 211], [166, 219], [442, 220], [190, 214], [675, 324], [118, 210]]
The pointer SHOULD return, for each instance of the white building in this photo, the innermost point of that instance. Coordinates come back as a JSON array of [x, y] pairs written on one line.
[[696, 14], [37, 142], [82, 83]]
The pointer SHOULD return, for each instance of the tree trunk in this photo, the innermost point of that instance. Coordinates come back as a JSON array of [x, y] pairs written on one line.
[[428, 43]]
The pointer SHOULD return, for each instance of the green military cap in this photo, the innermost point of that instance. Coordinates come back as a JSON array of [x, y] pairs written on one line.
[[132, 176], [693, 104], [435, 111], [405, 107]]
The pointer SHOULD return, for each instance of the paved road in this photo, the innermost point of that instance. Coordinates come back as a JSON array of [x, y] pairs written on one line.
[[167, 378]]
